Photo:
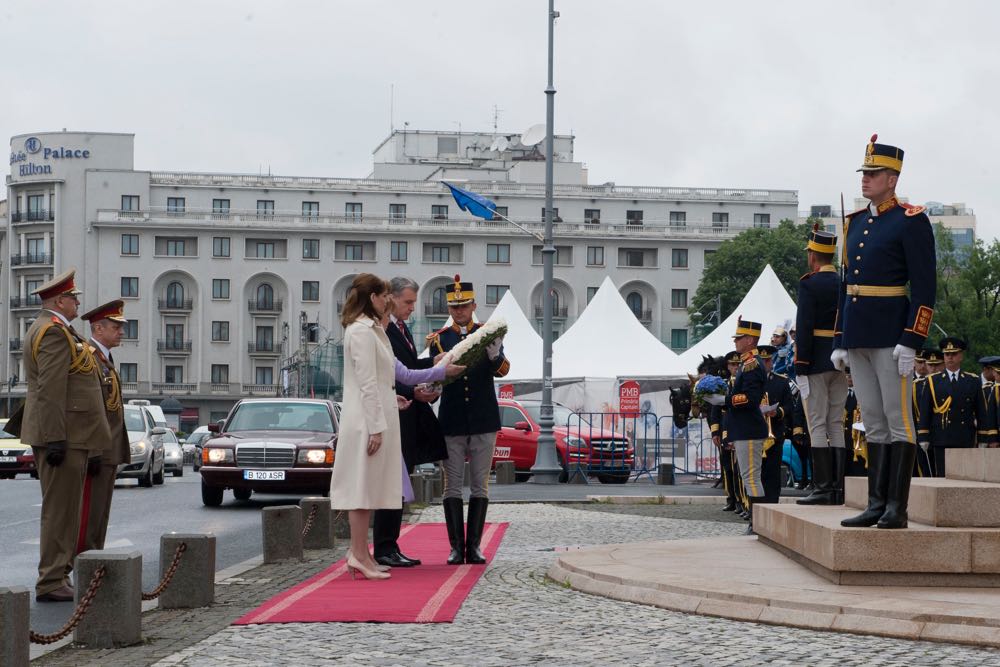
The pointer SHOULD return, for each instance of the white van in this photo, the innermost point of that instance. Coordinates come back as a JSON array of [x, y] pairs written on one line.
[[158, 417]]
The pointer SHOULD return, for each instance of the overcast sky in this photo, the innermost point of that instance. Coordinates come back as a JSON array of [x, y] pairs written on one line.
[[731, 94]]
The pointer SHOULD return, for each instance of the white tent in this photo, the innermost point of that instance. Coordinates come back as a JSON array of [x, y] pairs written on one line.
[[767, 302], [522, 345], [607, 341]]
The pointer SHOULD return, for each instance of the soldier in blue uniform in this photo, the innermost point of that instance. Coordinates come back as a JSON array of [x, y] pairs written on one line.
[[885, 311], [720, 438], [745, 422], [777, 410], [856, 465], [470, 418], [822, 387], [921, 371], [952, 413]]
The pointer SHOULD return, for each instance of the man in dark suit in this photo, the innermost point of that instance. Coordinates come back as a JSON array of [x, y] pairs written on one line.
[[421, 438]]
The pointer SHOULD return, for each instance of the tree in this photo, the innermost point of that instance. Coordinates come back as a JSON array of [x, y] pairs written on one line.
[[731, 270]]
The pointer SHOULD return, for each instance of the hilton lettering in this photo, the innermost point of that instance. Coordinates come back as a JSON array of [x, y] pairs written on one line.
[[32, 169]]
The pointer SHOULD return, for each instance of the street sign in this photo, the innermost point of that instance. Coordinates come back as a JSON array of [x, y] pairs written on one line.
[[507, 392], [628, 397]]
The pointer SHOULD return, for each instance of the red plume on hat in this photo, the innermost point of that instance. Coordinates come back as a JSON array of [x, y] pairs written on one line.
[[458, 278], [815, 226], [874, 138]]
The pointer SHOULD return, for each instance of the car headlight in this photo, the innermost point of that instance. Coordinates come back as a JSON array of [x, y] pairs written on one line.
[[138, 447], [576, 443], [217, 455], [315, 456]]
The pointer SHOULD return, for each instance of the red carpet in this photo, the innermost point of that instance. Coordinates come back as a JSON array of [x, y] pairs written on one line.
[[429, 593]]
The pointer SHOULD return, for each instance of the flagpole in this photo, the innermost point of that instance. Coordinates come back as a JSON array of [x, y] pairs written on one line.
[[547, 468]]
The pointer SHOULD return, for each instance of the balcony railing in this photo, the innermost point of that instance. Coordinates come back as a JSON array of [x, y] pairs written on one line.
[[173, 345], [130, 387], [267, 389], [30, 301], [33, 216], [174, 387], [15, 344], [560, 312], [643, 315], [175, 305], [33, 259], [265, 305], [262, 347], [220, 387], [431, 308]]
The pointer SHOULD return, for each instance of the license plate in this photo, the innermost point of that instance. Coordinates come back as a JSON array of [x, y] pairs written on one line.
[[8, 459], [264, 475]]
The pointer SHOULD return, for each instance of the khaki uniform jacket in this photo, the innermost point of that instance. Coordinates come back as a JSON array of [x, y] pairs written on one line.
[[64, 400], [111, 384]]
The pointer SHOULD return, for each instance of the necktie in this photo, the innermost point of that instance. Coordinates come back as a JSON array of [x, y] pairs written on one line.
[[111, 358], [402, 330]]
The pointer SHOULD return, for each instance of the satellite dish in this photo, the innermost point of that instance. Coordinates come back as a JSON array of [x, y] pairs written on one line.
[[502, 144], [533, 135], [493, 146]]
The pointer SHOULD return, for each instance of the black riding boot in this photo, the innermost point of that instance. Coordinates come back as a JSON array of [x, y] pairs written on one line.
[[453, 519], [878, 487], [901, 457], [839, 466], [753, 501], [477, 519], [823, 493]]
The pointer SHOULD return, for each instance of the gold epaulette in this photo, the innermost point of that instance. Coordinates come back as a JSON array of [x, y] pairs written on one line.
[[912, 210], [750, 364]]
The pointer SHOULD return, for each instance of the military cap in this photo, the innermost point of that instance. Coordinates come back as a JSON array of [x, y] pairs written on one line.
[[459, 293], [822, 241], [990, 361], [952, 344], [64, 283], [112, 310], [882, 156], [746, 328], [733, 357], [921, 355], [933, 356], [766, 351]]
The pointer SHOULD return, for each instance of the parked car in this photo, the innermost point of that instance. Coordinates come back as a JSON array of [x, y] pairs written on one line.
[[270, 445], [16, 458], [173, 455], [194, 444], [579, 445], [146, 442]]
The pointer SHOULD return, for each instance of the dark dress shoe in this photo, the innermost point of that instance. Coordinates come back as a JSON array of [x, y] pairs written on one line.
[[61, 594], [413, 561], [395, 560]]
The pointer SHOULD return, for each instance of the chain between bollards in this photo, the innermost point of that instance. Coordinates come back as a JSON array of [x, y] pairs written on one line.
[[78, 613], [309, 520], [168, 575]]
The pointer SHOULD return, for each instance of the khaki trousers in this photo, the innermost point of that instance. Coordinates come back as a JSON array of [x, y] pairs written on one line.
[[825, 408], [478, 449], [101, 488], [62, 492]]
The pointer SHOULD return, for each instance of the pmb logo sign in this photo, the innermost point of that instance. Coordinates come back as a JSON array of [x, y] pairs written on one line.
[[32, 145], [628, 397]]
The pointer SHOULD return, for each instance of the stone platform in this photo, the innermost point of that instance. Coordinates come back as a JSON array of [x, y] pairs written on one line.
[[940, 502], [743, 579]]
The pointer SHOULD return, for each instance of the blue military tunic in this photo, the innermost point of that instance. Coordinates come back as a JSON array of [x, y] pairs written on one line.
[[884, 250], [815, 321], [743, 418], [469, 404], [951, 411]]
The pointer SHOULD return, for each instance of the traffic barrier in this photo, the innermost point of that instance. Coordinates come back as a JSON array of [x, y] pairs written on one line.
[[317, 531], [690, 448], [15, 647], [114, 617], [504, 472], [187, 566], [281, 528], [616, 447]]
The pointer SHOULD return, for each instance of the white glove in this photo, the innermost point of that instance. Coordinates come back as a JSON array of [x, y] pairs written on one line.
[[924, 445], [802, 382], [715, 399], [905, 356], [839, 359], [493, 349], [768, 409]]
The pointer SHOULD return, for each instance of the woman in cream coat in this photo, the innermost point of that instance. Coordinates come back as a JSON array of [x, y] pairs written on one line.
[[366, 472]]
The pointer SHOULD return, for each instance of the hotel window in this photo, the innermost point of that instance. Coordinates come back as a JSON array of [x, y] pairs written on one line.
[[265, 249], [129, 372], [130, 202], [397, 251], [130, 331], [447, 145], [555, 214], [175, 295], [174, 375], [679, 258], [265, 340], [310, 248], [175, 204], [498, 253], [678, 339], [634, 303], [175, 337], [501, 210], [175, 247], [678, 298], [591, 291], [220, 331], [762, 220], [397, 211], [633, 257], [264, 375], [352, 210], [633, 217], [592, 216], [708, 257], [220, 288], [220, 206], [265, 207], [35, 210], [312, 332], [354, 251], [310, 209], [130, 244], [595, 255], [310, 290], [440, 253], [678, 219], [220, 246], [220, 373], [130, 287], [563, 256], [720, 220], [439, 212], [494, 293]]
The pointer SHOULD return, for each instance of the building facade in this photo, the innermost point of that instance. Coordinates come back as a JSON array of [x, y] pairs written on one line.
[[230, 279]]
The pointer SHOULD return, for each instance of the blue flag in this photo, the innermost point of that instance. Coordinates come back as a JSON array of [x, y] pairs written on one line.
[[475, 204]]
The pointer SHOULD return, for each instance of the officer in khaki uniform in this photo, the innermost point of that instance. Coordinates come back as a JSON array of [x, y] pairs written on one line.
[[65, 423], [106, 331]]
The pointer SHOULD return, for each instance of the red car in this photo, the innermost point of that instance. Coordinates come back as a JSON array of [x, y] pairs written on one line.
[[579, 445], [15, 457]]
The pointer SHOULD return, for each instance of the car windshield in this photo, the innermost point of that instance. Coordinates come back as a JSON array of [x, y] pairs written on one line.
[[4, 435], [169, 436], [133, 420], [561, 415], [281, 417]]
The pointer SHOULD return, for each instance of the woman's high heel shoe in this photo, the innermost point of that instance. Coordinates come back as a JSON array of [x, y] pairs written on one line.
[[353, 567]]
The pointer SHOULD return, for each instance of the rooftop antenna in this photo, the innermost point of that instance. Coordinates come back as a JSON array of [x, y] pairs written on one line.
[[496, 117], [392, 99]]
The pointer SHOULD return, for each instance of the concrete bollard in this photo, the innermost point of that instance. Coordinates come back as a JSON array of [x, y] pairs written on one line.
[[281, 527], [115, 616], [15, 606], [417, 483], [320, 536], [341, 524], [505, 472], [665, 473], [467, 475], [193, 584]]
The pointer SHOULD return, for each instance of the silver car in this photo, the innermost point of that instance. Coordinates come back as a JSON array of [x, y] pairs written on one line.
[[146, 442], [173, 454]]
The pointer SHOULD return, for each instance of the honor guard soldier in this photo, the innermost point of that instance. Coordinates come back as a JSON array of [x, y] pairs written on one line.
[[822, 387], [720, 438], [65, 423], [921, 371], [988, 396], [745, 423], [920, 365], [777, 410], [951, 410], [886, 305], [107, 324], [800, 442], [856, 457], [935, 361], [470, 418]]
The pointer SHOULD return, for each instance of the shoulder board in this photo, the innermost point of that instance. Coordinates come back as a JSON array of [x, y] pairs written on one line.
[[912, 210], [805, 276], [434, 334], [971, 375], [781, 375], [854, 213], [750, 364], [56, 320]]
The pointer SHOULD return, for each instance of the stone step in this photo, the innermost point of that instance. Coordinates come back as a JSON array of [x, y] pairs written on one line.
[[955, 503], [978, 465], [920, 555]]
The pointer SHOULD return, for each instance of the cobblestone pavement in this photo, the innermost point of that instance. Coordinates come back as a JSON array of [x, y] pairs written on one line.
[[515, 616]]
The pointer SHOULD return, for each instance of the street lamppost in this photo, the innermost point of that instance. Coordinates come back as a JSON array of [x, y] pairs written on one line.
[[717, 314]]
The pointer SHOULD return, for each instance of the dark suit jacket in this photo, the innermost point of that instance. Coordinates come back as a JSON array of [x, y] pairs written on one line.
[[420, 432]]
